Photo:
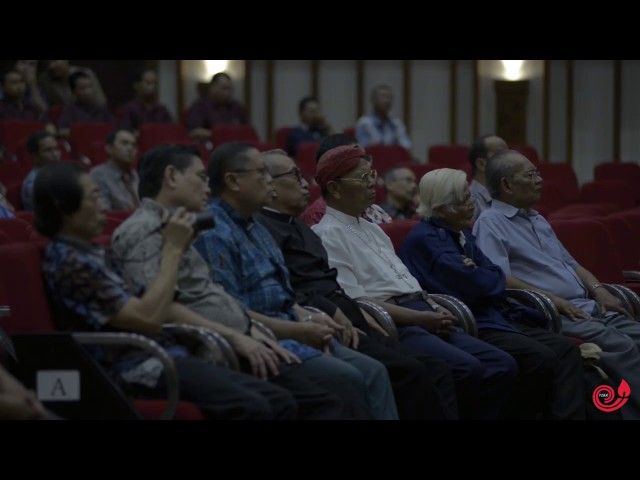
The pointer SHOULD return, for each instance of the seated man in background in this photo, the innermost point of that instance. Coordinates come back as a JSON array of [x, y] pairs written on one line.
[[482, 149], [89, 291], [14, 106], [28, 69], [54, 82], [381, 127], [522, 243], [313, 126], [401, 189], [84, 108], [368, 268], [314, 212], [422, 384], [217, 108], [173, 176], [441, 253], [245, 259], [44, 149], [144, 107], [116, 178]]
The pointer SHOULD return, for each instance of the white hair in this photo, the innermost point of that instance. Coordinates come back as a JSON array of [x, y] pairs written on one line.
[[442, 187]]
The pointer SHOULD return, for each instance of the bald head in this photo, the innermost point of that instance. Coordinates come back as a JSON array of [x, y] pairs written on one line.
[[482, 149], [513, 179], [277, 161], [291, 189]]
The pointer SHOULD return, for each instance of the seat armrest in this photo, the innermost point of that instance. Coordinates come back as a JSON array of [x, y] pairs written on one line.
[[540, 302], [144, 343], [459, 309], [630, 299], [381, 316], [201, 343], [631, 275], [264, 329]]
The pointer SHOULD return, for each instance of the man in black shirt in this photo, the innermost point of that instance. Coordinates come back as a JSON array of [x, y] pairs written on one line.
[[423, 385]]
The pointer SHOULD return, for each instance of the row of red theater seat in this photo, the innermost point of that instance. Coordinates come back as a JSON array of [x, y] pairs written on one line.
[[606, 245]]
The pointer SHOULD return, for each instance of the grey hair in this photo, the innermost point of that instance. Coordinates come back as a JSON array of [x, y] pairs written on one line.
[[442, 187], [499, 166]]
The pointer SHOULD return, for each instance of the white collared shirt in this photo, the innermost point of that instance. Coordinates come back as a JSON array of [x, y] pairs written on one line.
[[363, 254]]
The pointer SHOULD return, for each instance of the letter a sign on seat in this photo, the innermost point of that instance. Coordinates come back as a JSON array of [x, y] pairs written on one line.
[[58, 385]]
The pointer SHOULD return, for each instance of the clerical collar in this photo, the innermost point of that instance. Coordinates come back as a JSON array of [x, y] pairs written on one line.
[[278, 215]]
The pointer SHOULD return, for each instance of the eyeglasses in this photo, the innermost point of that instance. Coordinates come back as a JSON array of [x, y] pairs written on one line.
[[295, 172], [530, 175], [367, 177], [262, 171]]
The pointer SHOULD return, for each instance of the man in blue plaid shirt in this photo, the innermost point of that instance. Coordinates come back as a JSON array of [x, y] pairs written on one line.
[[245, 259]]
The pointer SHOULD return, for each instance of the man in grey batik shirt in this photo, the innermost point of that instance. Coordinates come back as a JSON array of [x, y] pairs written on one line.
[[116, 178]]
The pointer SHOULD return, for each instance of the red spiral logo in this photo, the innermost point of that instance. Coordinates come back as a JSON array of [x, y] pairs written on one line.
[[605, 399]]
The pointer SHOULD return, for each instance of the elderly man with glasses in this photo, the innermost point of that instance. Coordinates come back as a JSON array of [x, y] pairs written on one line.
[[523, 244]]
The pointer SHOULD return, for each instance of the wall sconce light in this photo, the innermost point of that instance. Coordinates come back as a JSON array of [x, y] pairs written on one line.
[[214, 66], [512, 69]]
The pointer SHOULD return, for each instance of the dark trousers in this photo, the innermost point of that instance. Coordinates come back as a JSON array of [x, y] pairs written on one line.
[[423, 386], [551, 381], [484, 375], [224, 394], [321, 396]]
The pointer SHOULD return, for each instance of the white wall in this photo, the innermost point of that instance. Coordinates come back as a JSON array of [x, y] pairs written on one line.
[[168, 86], [557, 112], [630, 140], [430, 116], [464, 102], [429, 95], [258, 95], [291, 82], [337, 90], [593, 115]]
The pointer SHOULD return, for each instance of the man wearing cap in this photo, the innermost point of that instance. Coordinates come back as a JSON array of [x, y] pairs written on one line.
[[368, 268], [314, 212]]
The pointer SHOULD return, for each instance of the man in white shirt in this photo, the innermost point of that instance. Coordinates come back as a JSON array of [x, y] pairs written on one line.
[[369, 269]]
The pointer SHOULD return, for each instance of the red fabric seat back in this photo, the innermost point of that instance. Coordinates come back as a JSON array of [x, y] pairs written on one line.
[[233, 133], [618, 192], [153, 134], [281, 137], [23, 284], [306, 159], [450, 156], [14, 132], [564, 178], [83, 135], [398, 230], [386, 157], [592, 246]]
